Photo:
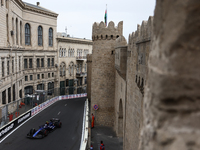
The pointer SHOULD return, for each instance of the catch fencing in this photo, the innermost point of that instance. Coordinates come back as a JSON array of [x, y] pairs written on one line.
[[14, 109]]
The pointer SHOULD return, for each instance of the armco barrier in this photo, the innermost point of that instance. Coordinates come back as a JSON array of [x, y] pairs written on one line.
[[13, 124], [84, 139], [16, 122]]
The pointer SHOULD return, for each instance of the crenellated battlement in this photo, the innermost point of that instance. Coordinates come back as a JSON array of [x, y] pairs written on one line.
[[121, 41], [143, 32], [101, 32]]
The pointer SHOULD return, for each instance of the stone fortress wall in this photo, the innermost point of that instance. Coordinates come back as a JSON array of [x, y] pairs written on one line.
[[156, 99], [103, 72], [139, 46]]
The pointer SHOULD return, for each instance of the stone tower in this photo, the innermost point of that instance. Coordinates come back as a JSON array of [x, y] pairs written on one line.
[[103, 71]]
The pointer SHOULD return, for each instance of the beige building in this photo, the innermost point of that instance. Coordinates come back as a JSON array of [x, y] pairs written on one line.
[[72, 63], [34, 57], [28, 49]]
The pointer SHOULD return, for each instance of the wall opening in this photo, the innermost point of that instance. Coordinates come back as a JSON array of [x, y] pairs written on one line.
[[120, 119]]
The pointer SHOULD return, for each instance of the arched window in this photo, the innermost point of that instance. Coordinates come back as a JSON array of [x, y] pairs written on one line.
[[50, 37], [64, 52], [62, 69], [27, 34], [16, 31], [40, 42], [69, 52], [20, 33], [71, 69], [60, 52]]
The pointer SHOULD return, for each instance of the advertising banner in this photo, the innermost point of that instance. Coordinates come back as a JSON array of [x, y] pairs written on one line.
[[12, 125]]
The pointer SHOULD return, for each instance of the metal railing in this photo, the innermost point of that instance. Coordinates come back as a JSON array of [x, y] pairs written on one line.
[[12, 110]]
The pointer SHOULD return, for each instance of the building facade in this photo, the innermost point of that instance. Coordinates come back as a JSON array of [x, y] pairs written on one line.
[[72, 63], [33, 56], [28, 49], [117, 77]]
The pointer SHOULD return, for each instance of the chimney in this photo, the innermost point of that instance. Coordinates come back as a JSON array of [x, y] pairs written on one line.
[[38, 3]]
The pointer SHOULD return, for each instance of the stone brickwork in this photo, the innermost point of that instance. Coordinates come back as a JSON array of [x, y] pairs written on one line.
[[120, 85], [171, 103], [89, 75], [103, 72], [137, 68]]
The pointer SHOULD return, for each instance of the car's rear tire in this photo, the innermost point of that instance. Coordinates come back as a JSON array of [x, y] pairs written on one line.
[[58, 124]]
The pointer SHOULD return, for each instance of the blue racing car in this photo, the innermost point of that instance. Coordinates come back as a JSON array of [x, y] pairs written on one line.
[[45, 129]]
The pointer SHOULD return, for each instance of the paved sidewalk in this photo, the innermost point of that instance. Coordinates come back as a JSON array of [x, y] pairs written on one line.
[[108, 136]]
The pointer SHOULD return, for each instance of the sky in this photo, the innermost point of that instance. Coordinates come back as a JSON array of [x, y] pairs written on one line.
[[78, 16]]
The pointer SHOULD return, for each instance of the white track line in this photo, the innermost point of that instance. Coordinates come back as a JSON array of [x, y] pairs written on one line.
[[59, 113], [16, 128]]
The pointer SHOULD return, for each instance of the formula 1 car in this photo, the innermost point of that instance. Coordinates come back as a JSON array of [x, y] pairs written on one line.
[[45, 129]]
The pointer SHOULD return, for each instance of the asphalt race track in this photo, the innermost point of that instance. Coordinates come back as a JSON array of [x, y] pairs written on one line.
[[68, 137]]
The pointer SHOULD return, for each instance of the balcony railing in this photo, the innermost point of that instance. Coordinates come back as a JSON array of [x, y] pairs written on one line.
[[80, 57], [81, 74]]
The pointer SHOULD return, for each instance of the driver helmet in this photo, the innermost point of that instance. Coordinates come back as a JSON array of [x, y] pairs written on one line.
[[47, 122]]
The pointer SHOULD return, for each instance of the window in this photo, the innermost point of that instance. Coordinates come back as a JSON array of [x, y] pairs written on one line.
[[38, 76], [9, 94], [7, 27], [13, 92], [48, 62], [77, 69], [80, 66], [20, 33], [52, 62], [42, 76], [50, 37], [26, 78], [38, 62], [52, 74], [30, 63], [71, 68], [20, 93], [60, 51], [69, 52], [31, 77], [27, 34], [8, 68], [12, 32], [85, 80], [4, 97], [42, 62], [49, 75], [25, 64], [64, 52], [40, 42], [1, 2], [19, 63], [85, 67], [2, 68], [16, 31], [62, 69], [86, 51], [6, 4], [13, 66]]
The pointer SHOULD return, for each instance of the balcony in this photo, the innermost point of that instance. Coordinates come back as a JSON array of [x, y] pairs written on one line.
[[81, 58], [81, 74]]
